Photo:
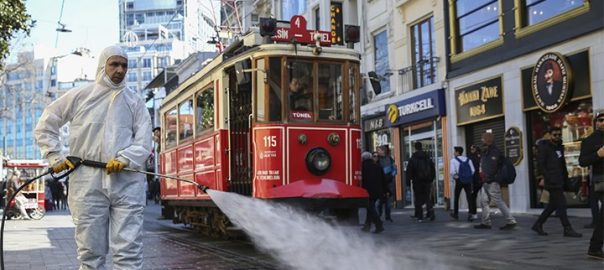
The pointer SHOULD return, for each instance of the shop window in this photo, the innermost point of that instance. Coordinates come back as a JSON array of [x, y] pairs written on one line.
[[423, 53], [575, 120], [330, 92], [185, 120], [382, 65], [170, 120], [204, 110]]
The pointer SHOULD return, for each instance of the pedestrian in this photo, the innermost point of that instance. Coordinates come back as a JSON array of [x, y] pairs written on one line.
[[491, 162], [14, 183], [109, 123], [48, 201], [421, 171], [462, 171], [551, 167], [592, 154], [373, 182], [390, 171], [474, 156]]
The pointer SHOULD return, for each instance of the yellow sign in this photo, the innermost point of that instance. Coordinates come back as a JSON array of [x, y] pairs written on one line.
[[392, 113]]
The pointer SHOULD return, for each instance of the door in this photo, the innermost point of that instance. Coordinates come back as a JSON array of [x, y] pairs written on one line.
[[240, 110], [429, 135]]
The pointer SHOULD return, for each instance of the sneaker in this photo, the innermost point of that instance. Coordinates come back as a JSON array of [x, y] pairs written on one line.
[[420, 220], [454, 216], [508, 227], [389, 219], [598, 254], [482, 226], [378, 230]]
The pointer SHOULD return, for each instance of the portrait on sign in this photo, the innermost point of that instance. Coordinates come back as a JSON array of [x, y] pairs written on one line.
[[550, 82]]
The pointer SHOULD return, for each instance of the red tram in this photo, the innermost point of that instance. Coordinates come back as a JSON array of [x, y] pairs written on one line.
[[275, 116]]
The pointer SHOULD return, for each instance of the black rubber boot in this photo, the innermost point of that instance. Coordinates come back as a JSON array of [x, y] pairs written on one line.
[[569, 232], [538, 228]]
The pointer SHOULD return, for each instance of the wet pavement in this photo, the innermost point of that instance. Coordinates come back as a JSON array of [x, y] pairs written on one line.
[[443, 244]]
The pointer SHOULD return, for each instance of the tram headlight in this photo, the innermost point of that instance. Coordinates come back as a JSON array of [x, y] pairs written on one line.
[[318, 161]]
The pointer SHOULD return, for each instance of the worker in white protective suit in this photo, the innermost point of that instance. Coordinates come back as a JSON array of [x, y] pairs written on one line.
[[109, 123]]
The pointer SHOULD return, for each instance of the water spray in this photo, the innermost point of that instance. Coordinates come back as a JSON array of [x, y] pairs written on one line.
[[77, 162]]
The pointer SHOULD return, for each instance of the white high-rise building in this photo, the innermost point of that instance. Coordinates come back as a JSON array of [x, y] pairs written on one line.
[[157, 34]]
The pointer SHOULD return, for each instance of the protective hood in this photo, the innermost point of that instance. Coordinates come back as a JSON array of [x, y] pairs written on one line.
[[101, 75]]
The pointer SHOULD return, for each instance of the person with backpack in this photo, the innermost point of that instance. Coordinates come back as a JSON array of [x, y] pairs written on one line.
[[551, 166], [462, 171], [421, 172], [491, 170]]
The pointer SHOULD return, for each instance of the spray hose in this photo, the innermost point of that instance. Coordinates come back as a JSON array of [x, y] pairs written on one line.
[[77, 162]]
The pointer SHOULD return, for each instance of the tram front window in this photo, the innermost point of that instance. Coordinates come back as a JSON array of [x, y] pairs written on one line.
[[330, 92], [300, 90]]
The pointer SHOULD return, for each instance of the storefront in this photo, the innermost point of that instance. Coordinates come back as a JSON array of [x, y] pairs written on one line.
[[556, 93], [376, 133], [419, 119]]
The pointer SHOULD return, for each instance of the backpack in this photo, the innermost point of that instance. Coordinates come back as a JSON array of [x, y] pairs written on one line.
[[508, 172], [424, 169], [465, 172]]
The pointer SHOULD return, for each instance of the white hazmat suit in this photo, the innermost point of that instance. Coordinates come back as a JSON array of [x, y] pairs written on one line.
[[108, 121]]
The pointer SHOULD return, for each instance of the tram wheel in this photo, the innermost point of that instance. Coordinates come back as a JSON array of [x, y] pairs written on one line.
[[37, 213]]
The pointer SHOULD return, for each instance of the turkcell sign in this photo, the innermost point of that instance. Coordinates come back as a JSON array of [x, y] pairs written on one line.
[[416, 108]]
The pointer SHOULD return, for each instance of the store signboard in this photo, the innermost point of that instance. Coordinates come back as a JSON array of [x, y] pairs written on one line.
[[480, 101], [372, 124], [551, 81], [513, 145], [416, 108], [336, 23]]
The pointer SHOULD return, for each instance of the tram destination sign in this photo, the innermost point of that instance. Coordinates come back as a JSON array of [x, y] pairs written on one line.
[[479, 101], [513, 145], [297, 32]]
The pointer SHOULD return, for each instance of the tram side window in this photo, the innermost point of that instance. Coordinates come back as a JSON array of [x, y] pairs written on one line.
[[204, 112], [185, 120], [330, 92], [352, 92], [274, 84], [170, 120], [300, 90]]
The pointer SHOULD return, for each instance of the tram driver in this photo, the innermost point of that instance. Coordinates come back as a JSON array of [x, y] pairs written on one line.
[[300, 96]]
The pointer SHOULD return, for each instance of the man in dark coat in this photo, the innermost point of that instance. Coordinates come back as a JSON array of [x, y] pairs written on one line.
[[421, 171], [592, 154], [374, 183], [551, 166], [474, 156], [491, 162]]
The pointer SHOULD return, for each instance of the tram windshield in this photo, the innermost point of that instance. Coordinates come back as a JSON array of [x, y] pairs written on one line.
[[310, 90]]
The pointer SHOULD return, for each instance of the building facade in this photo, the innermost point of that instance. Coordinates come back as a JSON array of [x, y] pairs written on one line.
[[517, 68], [403, 51], [28, 85]]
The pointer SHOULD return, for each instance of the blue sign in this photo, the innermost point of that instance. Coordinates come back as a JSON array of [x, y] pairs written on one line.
[[416, 108]]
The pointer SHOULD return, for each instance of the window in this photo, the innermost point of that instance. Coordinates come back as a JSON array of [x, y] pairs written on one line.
[[140, 18], [272, 103], [204, 111], [330, 91], [53, 83], [423, 53], [147, 62], [185, 120], [131, 76], [352, 93], [163, 62], [477, 23], [147, 76], [300, 92], [536, 11], [170, 122], [289, 8], [317, 19], [130, 5], [382, 66], [132, 63]]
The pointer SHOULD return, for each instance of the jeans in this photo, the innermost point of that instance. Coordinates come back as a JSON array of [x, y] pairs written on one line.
[[422, 194], [372, 215], [385, 204], [492, 192], [593, 200], [596, 241]]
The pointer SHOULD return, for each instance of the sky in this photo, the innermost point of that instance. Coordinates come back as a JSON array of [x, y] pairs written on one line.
[[94, 25]]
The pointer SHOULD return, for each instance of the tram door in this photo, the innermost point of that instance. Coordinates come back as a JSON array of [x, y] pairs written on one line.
[[240, 109]]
